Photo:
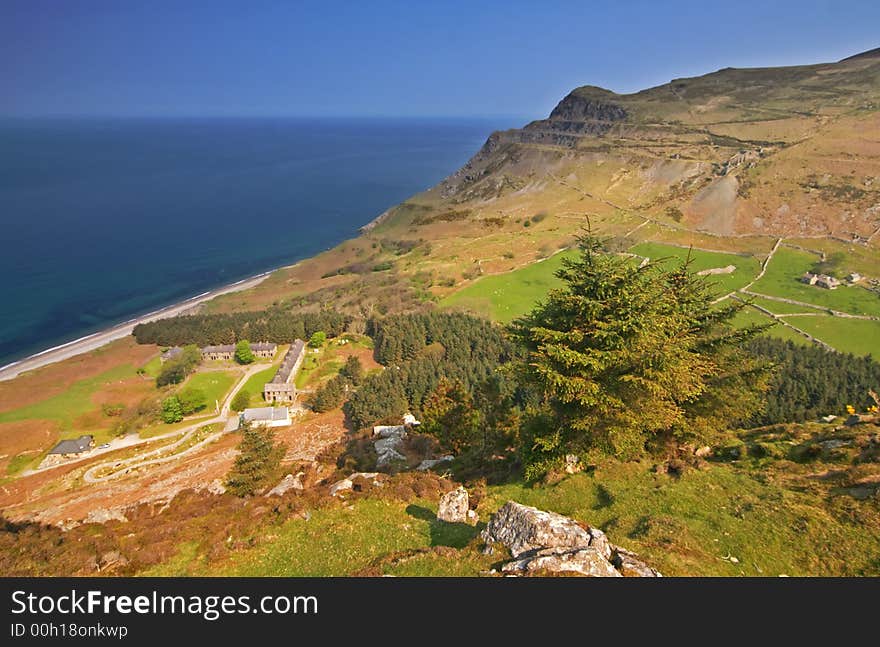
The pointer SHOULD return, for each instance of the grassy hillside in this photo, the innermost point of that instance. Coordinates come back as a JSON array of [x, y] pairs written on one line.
[[782, 280], [504, 297], [747, 267], [763, 514]]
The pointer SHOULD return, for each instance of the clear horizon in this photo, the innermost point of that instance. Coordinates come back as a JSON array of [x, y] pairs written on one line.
[[104, 58]]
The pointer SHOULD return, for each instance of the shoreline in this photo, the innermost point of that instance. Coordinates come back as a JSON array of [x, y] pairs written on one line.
[[101, 338]]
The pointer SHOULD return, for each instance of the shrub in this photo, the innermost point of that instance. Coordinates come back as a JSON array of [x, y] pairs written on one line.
[[241, 401], [171, 410], [112, 410], [192, 400]]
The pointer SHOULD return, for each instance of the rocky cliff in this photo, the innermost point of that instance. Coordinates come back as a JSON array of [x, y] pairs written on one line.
[[779, 151]]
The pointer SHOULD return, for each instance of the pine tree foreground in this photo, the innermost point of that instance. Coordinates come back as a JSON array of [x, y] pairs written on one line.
[[256, 463], [631, 358]]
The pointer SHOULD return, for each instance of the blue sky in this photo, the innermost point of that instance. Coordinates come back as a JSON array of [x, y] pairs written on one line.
[[416, 58]]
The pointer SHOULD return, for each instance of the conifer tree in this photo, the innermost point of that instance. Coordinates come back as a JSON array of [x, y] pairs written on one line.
[[257, 462], [631, 358], [352, 370]]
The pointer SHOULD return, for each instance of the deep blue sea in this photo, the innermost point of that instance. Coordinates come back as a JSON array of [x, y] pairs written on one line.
[[103, 220]]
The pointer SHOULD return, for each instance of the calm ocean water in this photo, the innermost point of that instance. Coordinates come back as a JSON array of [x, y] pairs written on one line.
[[103, 220]]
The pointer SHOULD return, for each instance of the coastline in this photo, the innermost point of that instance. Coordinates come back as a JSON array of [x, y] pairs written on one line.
[[103, 337]]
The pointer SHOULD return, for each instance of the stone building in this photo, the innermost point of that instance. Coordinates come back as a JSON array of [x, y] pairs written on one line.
[[821, 280], [171, 353], [224, 351], [264, 350], [281, 388]]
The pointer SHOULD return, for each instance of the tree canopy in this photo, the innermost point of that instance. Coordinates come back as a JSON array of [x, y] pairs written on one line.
[[176, 370], [243, 352], [276, 324], [419, 351]]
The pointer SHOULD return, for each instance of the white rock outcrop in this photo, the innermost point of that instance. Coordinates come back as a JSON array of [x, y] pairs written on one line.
[[289, 482], [541, 541], [454, 506]]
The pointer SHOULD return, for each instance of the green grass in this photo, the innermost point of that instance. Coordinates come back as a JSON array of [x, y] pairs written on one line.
[[153, 367], [686, 526], [214, 384], [311, 363], [504, 297], [338, 541], [187, 554], [857, 336], [256, 382], [161, 428], [747, 267], [781, 280], [779, 307], [750, 316], [72, 403]]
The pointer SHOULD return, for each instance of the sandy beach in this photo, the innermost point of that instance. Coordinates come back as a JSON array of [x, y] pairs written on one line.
[[98, 339]]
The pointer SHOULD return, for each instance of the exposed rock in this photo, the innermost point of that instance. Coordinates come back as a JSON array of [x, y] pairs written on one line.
[[548, 542], [340, 486], [434, 462], [834, 444], [216, 487], [702, 452], [390, 438], [386, 453], [103, 515], [578, 107], [584, 561], [289, 482], [600, 542], [112, 559], [630, 566], [454, 506], [523, 528], [727, 269], [389, 431], [348, 482], [572, 464]]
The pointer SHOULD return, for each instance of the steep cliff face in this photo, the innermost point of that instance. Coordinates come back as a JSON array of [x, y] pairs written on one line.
[[588, 104], [778, 151]]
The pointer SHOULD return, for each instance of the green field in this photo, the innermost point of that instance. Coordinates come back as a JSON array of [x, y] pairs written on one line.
[[780, 307], [214, 384], [504, 297], [781, 280], [162, 428], [72, 403], [153, 367], [856, 336], [747, 267], [750, 316], [256, 382]]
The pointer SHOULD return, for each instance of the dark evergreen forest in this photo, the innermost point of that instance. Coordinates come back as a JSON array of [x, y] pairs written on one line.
[[811, 382], [279, 326]]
